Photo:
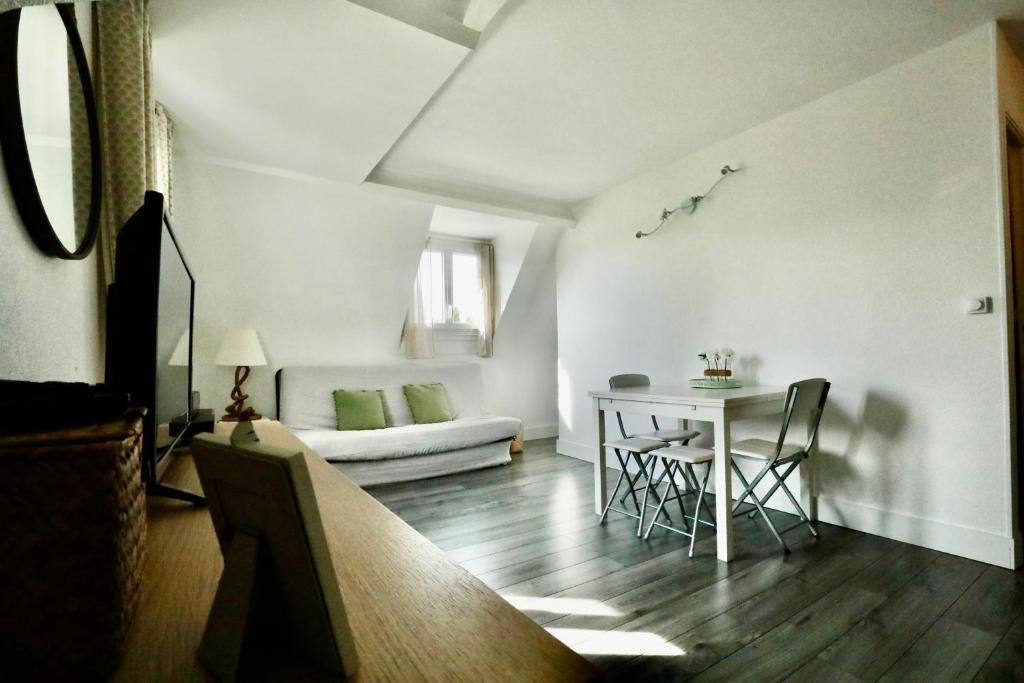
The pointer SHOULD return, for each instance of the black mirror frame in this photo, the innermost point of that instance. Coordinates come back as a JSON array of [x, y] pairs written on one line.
[[15, 149]]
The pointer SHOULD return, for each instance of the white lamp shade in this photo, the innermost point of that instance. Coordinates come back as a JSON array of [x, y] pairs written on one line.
[[240, 347], [180, 355]]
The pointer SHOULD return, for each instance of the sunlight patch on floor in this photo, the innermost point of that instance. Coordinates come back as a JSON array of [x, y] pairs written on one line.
[[580, 606], [639, 643]]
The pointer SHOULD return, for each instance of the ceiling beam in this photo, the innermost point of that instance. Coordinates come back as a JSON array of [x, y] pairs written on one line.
[[475, 198], [426, 17]]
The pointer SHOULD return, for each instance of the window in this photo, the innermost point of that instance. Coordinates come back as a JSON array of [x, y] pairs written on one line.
[[452, 300], [456, 295]]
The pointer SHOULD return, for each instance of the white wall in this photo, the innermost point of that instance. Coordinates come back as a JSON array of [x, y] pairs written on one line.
[[522, 372], [323, 272], [510, 249], [49, 308], [844, 249]]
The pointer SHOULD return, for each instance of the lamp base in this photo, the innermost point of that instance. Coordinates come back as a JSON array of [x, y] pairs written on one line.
[[247, 415], [237, 412]]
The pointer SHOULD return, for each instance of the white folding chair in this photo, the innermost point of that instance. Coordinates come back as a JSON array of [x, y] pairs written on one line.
[[680, 460], [625, 381], [803, 399], [645, 474], [625, 449]]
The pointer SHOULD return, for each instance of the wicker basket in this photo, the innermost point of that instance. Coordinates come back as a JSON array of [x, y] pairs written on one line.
[[71, 548], [517, 444]]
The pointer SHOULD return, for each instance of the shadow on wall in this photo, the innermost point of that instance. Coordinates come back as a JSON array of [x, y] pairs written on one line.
[[881, 422], [747, 369]]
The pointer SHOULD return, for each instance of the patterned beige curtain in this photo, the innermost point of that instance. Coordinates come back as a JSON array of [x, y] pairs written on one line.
[[487, 320], [81, 147], [127, 114]]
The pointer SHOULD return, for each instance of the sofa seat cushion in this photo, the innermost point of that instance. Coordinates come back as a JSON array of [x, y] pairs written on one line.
[[404, 441]]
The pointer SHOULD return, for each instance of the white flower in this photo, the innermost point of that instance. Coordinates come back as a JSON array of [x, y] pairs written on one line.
[[728, 354], [711, 354]]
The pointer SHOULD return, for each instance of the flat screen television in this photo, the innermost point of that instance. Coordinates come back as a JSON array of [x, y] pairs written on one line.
[[150, 315]]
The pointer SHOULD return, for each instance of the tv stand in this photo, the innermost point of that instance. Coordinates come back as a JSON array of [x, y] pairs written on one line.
[[151, 477], [165, 491]]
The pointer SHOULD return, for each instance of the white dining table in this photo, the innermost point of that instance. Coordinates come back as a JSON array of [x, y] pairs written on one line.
[[720, 407]]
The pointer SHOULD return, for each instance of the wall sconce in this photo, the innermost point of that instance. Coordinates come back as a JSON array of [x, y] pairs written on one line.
[[689, 205]]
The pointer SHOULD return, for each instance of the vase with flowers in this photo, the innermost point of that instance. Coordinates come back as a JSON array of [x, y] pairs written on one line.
[[717, 370]]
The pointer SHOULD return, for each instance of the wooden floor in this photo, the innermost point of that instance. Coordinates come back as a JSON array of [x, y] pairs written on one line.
[[847, 607]]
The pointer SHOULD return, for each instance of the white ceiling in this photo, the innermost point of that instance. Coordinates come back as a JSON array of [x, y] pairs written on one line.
[[559, 100], [318, 87], [562, 99], [447, 220]]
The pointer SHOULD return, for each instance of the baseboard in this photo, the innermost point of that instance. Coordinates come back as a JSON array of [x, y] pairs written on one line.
[[574, 450], [539, 432], [975, 544]]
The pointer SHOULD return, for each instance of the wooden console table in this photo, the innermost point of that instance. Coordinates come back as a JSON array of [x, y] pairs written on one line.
[[415, 615]]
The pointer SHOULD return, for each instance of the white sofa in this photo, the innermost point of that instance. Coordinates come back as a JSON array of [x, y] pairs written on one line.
[[406, 451]]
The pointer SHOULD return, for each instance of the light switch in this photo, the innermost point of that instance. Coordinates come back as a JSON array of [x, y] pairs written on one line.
[[978, 305]]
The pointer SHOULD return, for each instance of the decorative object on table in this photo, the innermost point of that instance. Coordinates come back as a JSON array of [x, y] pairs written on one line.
[[278, 574], [240, 348], [717, 373], [74, 529], [690, 204]]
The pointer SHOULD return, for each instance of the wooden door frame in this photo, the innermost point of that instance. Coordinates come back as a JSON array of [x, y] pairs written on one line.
[[1012, 136]]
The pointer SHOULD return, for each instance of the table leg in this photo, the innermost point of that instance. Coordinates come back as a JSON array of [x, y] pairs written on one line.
[[723, 488], [600, 469]]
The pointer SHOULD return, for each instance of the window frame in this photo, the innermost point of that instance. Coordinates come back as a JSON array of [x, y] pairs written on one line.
[[448, 245]]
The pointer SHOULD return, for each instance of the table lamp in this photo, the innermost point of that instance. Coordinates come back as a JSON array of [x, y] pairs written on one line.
[[240, 348]]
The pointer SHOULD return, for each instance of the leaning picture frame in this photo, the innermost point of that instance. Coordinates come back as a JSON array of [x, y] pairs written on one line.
[[278, 575]]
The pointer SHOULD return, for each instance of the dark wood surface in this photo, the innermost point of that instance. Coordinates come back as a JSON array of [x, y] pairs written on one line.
[[848, 607]]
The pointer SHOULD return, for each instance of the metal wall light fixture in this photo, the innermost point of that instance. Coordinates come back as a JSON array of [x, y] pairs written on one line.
[[690, 204]]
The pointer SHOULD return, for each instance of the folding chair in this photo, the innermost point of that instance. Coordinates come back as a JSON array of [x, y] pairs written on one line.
[[626, 381], [625, 449], [680, 460], [644, 464], [805, 398]]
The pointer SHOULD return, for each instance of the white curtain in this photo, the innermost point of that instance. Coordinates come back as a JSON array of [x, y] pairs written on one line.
[[485, 250], [418, 332]]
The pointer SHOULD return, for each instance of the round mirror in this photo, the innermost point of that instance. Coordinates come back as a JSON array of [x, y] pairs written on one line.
[[48, 128]]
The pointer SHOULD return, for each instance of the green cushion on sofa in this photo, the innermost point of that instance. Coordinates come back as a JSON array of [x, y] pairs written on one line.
[[357, 409], [427, 402]]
